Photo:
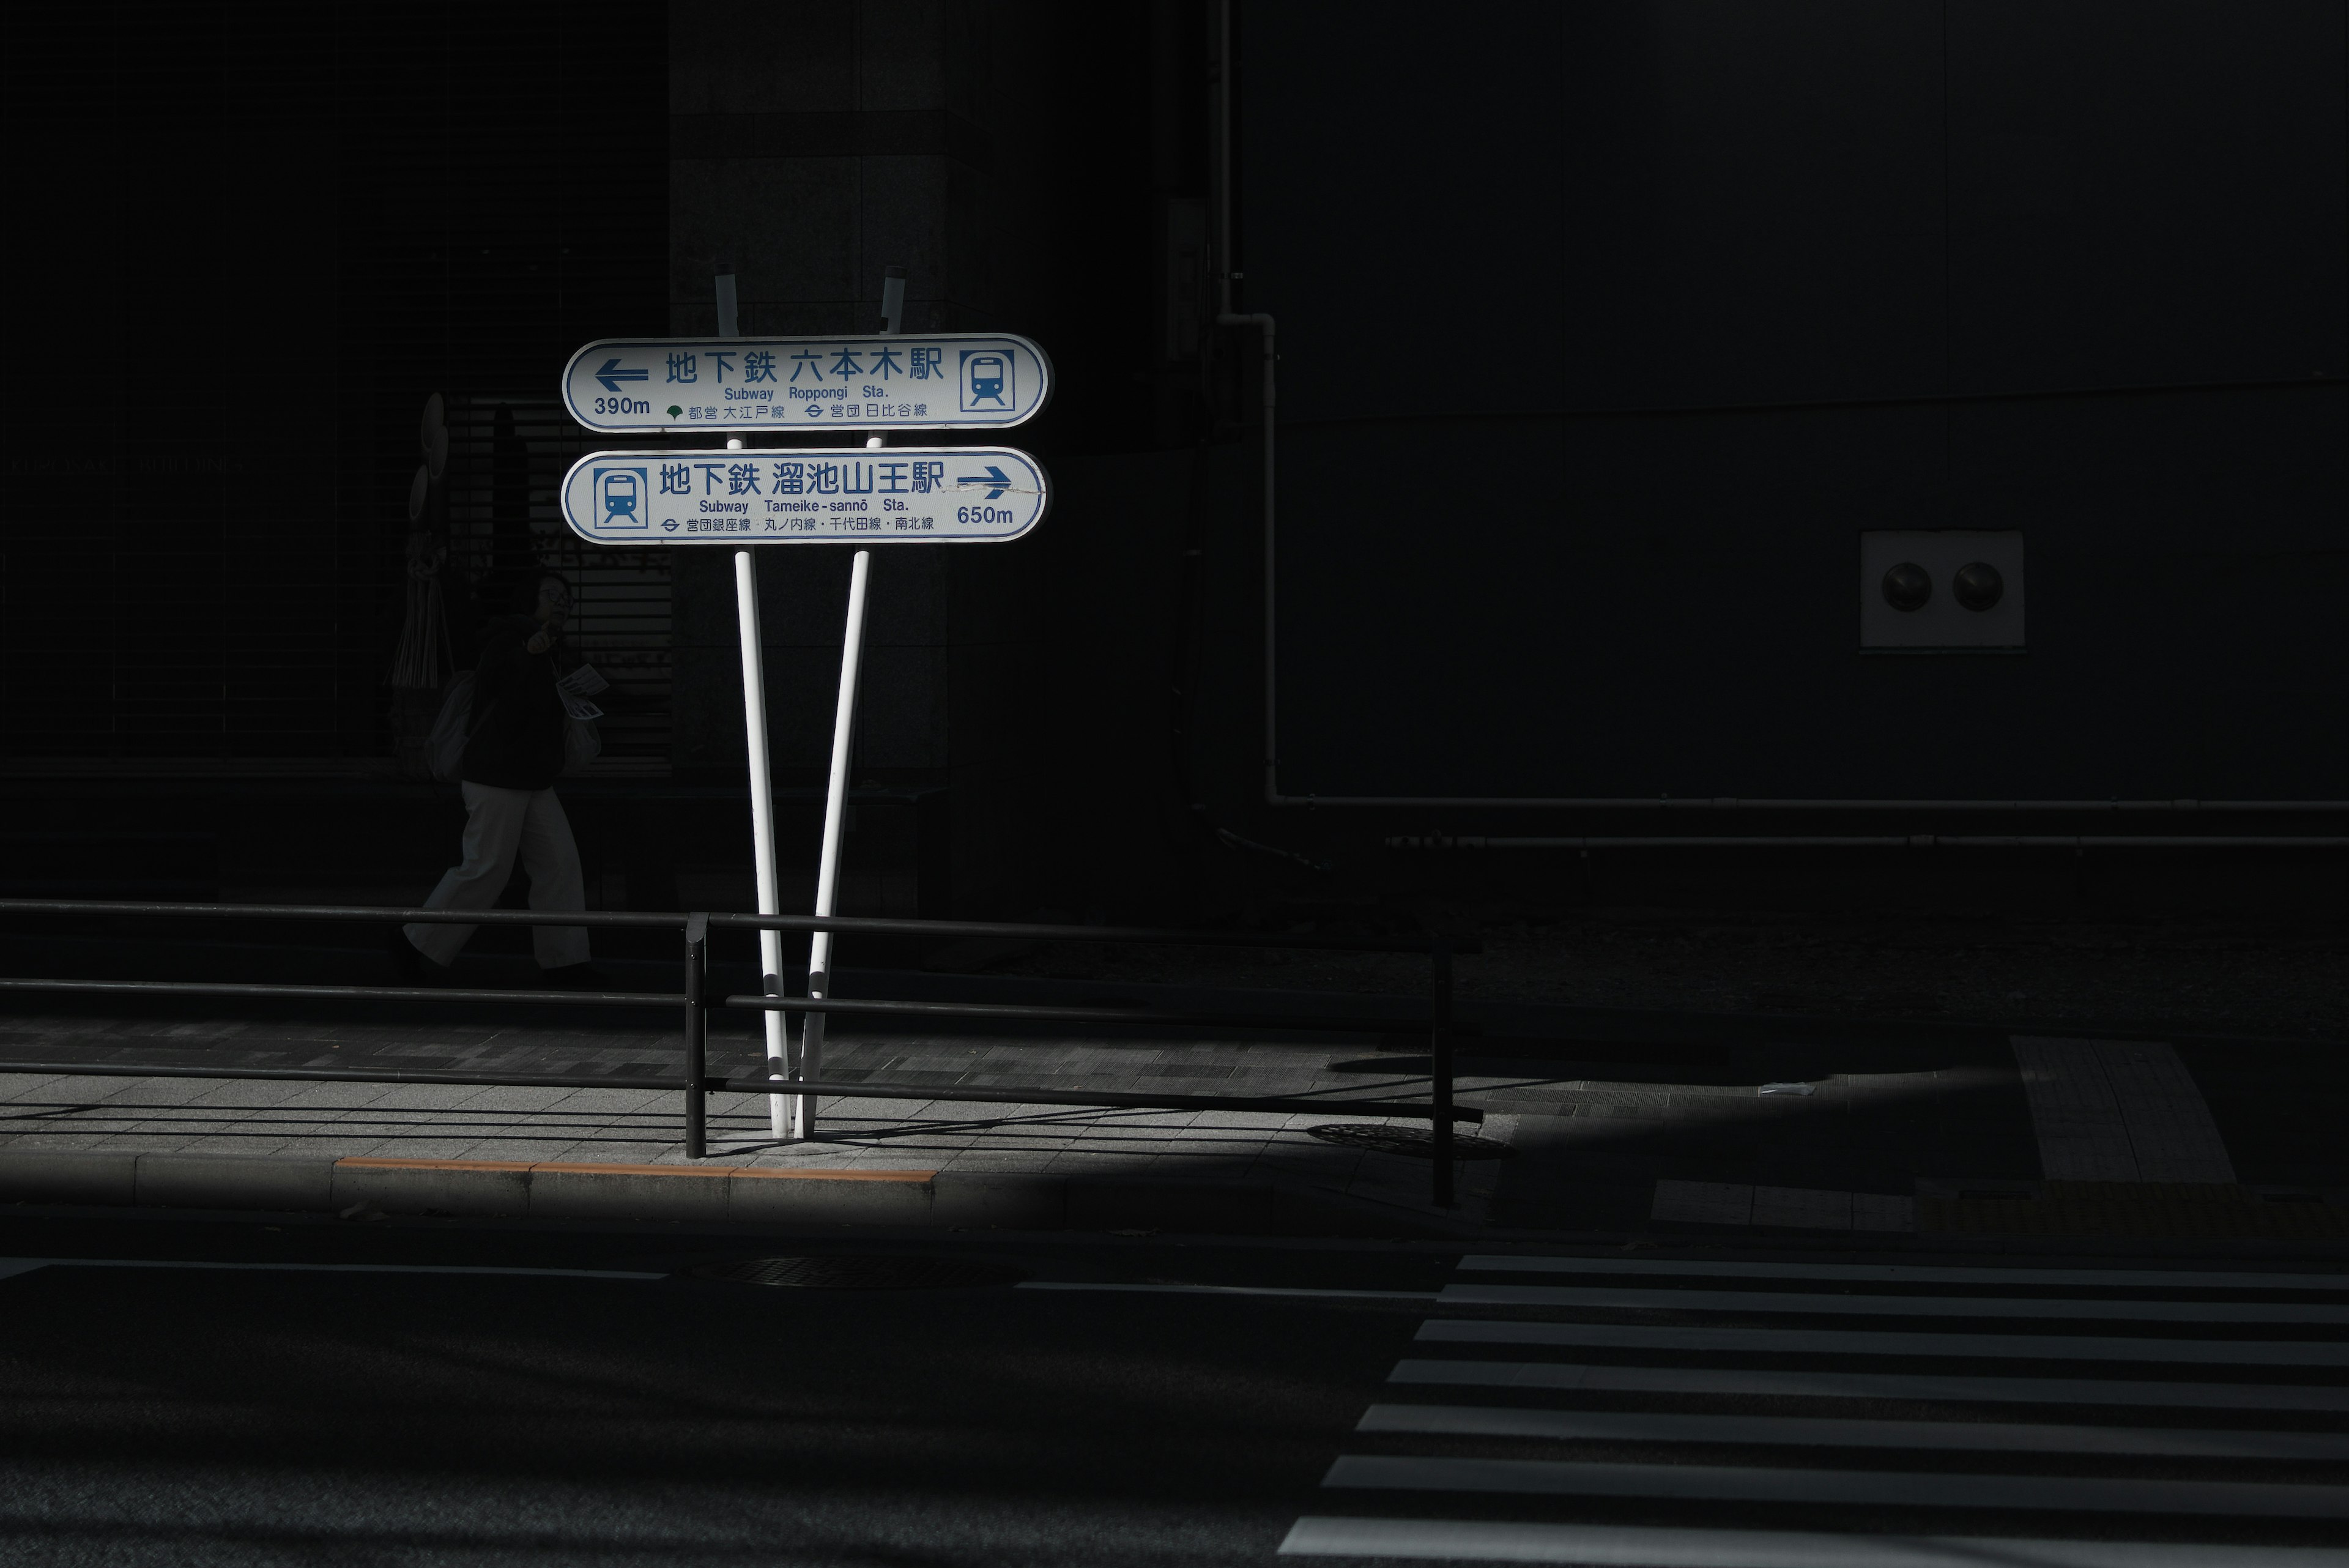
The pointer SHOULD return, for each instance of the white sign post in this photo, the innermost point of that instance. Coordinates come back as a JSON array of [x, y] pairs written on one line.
[[865, 496], [762, 784], [827, 873], [762, 817]]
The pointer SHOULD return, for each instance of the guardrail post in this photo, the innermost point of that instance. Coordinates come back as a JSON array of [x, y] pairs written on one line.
[[697, 1021], [1439, 1042]]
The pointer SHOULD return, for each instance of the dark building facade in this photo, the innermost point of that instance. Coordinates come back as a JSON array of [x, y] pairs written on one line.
[[1610, 336], [1624, 349]]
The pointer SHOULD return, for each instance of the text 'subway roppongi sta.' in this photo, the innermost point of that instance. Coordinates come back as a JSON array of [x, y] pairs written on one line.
[[725, 385], [729, 387]]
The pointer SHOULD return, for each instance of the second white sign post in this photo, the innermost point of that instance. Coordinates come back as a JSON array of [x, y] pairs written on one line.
[[865, 495]]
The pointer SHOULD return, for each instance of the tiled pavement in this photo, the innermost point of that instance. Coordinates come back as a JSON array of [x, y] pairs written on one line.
[[1605, 1138], [259, 1118], [1543, 1109]]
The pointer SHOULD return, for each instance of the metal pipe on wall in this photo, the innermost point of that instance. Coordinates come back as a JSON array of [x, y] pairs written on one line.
[[1271, 745], [1263, 322]]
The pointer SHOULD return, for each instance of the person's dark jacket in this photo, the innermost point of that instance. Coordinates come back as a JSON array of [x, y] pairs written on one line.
[[516, 740]]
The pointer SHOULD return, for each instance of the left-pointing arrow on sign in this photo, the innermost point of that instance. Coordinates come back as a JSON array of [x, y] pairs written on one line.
[[611, 375], [994, 477]]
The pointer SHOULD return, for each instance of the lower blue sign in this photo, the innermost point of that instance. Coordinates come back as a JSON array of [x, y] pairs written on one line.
[[912, 496]]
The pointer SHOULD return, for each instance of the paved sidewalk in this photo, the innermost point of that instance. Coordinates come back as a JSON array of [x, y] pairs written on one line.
[[1636, 1127], [1026, 1156]]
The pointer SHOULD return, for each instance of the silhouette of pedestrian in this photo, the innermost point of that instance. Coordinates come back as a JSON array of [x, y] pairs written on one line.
[[514, 750]]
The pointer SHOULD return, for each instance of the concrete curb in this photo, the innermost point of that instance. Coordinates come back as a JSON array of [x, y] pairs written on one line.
[[706, 1195]]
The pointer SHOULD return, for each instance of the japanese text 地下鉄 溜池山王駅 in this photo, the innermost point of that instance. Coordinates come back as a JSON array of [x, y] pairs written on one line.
[[904, 495]]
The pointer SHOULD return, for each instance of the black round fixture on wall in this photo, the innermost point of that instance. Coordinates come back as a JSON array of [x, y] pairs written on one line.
[[1978, 585], [1907, 587]]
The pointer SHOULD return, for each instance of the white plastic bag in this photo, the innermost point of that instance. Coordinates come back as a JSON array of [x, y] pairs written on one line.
[[582, 744]]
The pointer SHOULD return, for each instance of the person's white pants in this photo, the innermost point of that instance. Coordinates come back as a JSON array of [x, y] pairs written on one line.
[[500, 824]]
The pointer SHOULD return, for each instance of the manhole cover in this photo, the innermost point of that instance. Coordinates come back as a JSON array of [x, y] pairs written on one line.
[[1419, 1141], [855, 1273]]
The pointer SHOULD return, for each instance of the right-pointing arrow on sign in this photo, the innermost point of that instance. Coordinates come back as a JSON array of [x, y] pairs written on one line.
[[993, 476]]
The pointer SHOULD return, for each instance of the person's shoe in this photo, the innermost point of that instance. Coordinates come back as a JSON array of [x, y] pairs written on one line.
[[574, 977], [413, 968], [407, 963]]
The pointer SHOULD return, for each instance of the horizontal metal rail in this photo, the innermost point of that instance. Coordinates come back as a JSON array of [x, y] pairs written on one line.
[[350, 992], [989, 1094], [1684, 804], [344, 912], [869, 925], [1047, 1014], [982, 1010], [1879, 841], [692, 1078], [344, 1075], [1419, 1110], [1146, 936]]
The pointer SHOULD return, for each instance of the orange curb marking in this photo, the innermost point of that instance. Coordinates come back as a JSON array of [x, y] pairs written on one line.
[[367, 1162]]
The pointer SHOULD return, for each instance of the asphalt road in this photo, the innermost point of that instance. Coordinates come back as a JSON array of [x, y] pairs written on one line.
[[368, 1394], [255, 1416]]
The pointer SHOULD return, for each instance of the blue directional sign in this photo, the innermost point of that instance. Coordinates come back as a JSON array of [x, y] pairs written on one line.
[[945, 381], [806, 495]]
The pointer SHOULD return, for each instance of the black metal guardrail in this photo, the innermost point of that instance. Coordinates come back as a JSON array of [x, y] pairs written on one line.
[[695, 1082]]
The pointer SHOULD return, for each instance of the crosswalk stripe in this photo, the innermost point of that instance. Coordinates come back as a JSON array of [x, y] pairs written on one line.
[[1870, 1385], [1906, 1273], [1795, 1302], [1639, 1286], [1558, 1477], [1634, 1546], [1836, 1342], [1998, 1436]]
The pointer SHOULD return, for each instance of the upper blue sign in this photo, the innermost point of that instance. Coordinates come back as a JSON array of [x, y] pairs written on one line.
[[944, 382]]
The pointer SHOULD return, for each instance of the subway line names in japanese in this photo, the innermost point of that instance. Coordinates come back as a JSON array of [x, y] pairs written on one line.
[[941, 381]]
